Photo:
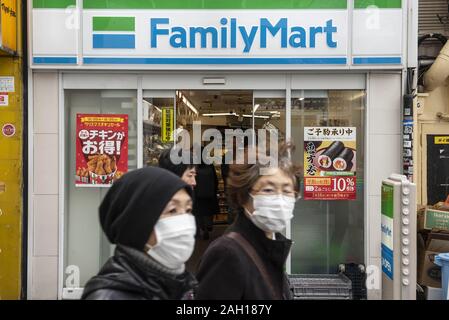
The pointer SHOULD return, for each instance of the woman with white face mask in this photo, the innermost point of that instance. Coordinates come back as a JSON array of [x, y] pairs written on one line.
[[148, 215], [247, 262]]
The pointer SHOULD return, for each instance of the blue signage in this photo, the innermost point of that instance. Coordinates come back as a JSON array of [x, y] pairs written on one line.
[[227, 34], [387, 261]]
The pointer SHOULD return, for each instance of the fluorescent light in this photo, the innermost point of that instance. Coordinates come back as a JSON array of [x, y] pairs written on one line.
[[275, 112], [256, 107], [219, 114], [260, 117], [152, 105], [187, 102], [301, 99]]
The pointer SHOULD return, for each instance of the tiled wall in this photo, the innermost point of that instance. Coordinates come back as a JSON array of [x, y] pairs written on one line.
[[384, 152], [44, 195]]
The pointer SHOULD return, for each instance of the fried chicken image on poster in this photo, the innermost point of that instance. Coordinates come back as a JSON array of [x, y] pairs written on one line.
[[101, 148]]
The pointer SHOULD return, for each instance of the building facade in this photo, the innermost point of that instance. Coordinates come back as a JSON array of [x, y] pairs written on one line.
[[294, 65]]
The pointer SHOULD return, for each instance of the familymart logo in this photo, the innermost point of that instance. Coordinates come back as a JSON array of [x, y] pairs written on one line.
[[114, 32]]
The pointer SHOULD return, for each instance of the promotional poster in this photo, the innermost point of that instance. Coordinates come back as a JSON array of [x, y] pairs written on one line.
[[101, 148], [330, 163]]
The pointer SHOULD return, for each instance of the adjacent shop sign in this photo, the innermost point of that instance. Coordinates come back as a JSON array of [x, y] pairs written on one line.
[[101, 148], [8, 26], [387, 207], [7, 84], [167, 124], [437, 168], [330, 163]]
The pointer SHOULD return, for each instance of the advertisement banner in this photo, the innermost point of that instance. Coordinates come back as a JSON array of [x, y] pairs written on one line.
[[330, 163], [101, 148], [167, 124]]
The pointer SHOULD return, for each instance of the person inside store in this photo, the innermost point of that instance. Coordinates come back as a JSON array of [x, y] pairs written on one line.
[[186, 171], [247, 262], [147, 214], [205, 204]]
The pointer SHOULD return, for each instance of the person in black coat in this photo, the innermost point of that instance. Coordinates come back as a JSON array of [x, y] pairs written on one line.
[[247, 262], [206, 201], [147, 214]]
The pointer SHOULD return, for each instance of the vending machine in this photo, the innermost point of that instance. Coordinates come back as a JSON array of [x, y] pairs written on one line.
[[398, 210]]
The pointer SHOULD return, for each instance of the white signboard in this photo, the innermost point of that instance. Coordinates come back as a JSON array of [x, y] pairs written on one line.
[[218, 37]]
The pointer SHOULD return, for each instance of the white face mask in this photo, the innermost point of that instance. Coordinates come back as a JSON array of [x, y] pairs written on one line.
[[175, 240], [272, 212]]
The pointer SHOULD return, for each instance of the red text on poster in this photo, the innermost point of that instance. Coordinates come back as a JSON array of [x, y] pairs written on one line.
[[101, 148], [330, 163]]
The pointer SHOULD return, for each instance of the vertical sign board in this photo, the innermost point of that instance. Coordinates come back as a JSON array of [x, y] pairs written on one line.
[[437, 168], [167, 124], [387, 209]]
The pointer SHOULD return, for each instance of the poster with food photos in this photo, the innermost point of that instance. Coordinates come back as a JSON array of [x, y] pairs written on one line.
[[101, 149], [330, 163]]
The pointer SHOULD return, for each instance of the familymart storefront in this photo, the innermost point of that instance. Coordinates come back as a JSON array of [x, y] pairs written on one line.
[[118, 77]]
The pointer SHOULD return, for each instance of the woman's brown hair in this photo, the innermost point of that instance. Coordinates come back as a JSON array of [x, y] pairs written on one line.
[[242, 177]]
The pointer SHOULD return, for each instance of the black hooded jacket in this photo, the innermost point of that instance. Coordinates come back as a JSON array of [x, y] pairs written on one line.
[[227, 272], [128, 214], [133, 275]]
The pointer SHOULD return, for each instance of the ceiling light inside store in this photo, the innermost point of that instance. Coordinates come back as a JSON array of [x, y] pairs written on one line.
[[220, 114], [187, 102], [259, 117], [152, 105]]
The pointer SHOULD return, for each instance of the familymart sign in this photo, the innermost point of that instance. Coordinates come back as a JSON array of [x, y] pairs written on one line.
[[216, 32]]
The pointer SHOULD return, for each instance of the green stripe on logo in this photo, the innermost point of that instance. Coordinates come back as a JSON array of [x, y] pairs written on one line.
[[215, 4], [113, 23], [383, 4], [50, 4], [387, 200]]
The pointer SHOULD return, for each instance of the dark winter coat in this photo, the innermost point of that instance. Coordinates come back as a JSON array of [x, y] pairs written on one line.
[[227, 272], [206, 201], [133, 275]]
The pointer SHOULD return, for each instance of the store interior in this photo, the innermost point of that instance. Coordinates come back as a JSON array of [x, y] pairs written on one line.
[[214, 109]]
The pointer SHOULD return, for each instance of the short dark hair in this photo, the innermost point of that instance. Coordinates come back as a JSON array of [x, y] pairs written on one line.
[[178, 169], [242, 177]]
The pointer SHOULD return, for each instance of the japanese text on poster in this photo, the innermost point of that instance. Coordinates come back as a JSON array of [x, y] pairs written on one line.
[[330, 163], [167, 124], [101, 148]]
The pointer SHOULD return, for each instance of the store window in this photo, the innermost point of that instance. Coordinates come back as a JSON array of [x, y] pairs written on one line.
[[158, 125], [329, 232], [85, 246]]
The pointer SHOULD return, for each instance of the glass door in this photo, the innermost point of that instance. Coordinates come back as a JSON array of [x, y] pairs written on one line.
[[86, 248], [159, 119], [328, 232]]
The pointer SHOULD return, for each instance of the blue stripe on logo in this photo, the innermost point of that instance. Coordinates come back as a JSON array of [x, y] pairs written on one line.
[[387, 261], [252, 61], [54, 60], [114, 41], [378, 60]]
